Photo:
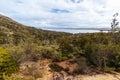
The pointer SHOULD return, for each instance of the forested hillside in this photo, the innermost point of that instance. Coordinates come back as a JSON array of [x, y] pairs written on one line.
[[89, 53]]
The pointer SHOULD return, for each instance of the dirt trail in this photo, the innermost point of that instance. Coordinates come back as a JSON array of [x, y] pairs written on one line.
[[48, 75], [99, 77], [105, 76]]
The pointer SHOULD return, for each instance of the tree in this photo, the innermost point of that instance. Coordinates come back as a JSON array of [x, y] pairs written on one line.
[[115, 23]]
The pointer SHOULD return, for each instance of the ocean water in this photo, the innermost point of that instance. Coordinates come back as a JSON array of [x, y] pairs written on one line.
[[74, 30]]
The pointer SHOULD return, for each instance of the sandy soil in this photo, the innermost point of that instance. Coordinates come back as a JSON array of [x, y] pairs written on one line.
[[48, 75], [105, 76]]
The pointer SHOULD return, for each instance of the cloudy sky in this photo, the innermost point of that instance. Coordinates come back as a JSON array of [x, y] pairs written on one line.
[[61, 13]]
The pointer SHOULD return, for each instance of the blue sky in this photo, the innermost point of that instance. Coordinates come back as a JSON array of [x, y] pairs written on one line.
[[61, 13]]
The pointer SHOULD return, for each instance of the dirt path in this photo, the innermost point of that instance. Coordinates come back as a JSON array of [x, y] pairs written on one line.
[[99, 77], [105, 76], [48, 75]]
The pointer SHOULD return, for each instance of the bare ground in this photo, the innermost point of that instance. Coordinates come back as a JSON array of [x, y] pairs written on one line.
[[105, 76], [48, 75]]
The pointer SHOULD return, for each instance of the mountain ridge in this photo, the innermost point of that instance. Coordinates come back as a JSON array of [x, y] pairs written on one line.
[[22, 32]]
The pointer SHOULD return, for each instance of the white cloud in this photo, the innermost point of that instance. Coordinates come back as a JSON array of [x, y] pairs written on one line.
[[72, 13]]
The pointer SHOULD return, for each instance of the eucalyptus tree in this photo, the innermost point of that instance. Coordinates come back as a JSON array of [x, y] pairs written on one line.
[[115, 23]]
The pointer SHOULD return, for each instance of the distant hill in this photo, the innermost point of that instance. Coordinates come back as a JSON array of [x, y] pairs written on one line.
[[12, 31], [99, 29]]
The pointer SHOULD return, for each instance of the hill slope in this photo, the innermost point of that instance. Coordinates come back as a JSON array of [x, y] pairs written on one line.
[[90, 53], [19, 32]]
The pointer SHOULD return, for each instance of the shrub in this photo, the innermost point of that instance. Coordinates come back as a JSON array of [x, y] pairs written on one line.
[[32, 70], [55, 67], [30, 78], [67, 69], [7, 64], [78, 71], [82, 62], [12, 77]]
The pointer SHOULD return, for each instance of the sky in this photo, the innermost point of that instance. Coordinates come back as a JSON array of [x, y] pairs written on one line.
[[61, 13]]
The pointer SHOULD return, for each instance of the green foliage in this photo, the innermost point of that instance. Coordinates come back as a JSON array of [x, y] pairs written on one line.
[[7, 64], [12, 77], [78, 71], [100, 50], [55, 67], [82, 63], [67, 69]]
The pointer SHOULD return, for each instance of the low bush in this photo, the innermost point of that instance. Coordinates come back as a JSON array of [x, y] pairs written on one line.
[[7, 64], [55, 67]]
